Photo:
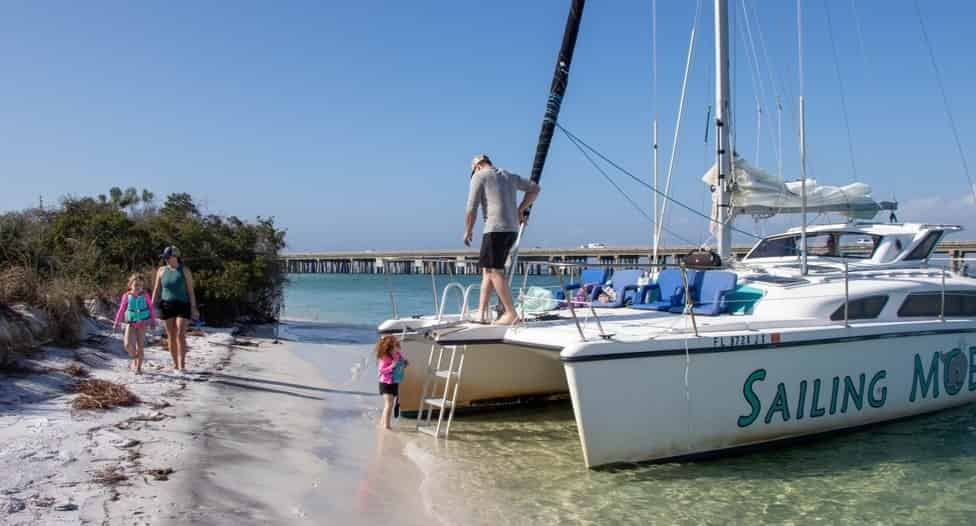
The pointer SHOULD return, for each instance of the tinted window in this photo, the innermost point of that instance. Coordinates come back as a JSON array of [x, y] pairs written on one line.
[[925, 247], [861, 309], [775, 248], [857, 245], [830, 244], [929, 304]]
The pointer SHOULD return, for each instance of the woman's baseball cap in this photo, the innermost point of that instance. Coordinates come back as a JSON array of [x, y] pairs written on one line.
[[171, 251]]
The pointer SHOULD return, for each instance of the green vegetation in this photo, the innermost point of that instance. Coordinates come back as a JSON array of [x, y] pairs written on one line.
[[86, 249]]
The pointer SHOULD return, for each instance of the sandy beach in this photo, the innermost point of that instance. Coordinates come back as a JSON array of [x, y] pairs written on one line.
[[254, 434]]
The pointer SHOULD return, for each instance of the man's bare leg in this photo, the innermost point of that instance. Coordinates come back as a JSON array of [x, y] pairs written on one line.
[[505, 296], [485, 297]]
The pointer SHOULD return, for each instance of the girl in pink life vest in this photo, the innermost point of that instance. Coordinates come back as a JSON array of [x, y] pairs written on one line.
[[136, 310], [390, 365]]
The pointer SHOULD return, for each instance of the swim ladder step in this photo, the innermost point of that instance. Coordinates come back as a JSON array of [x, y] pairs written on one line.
[[438, 402], [451, 379]]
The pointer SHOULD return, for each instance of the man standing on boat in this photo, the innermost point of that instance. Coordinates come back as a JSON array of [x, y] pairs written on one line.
[[495, 191]]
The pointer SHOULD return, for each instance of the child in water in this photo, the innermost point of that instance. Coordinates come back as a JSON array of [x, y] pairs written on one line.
[[391, 364], [136, 310]]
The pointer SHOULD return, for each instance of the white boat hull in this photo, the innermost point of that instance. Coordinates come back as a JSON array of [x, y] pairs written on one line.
[[492, 371], [641, 408]]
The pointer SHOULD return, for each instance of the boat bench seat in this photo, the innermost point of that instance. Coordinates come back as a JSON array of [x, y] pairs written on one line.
[[708, 289]]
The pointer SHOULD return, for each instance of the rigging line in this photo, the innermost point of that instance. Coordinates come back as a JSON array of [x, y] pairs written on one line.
[[945, 101], [755, 93], [780, 87], [677, 128], [624, 193], [759, 79], [840, 83], [860, 35], [607, 160]]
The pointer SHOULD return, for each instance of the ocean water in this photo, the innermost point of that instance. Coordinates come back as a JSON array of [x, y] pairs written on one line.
[[524, 466]]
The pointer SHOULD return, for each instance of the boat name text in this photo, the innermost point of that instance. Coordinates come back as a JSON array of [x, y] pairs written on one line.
[[840, 394]]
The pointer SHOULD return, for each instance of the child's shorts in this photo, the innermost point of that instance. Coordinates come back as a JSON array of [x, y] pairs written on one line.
[[390, 389]]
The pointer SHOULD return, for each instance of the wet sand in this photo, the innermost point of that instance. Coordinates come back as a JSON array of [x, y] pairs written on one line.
[[288, 442]]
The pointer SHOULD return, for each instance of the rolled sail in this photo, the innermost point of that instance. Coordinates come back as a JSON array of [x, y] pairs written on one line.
[[758, 193]]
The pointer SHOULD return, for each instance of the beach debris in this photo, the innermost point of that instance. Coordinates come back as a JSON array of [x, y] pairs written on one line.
[[154, 416], [42, 502], [110, 476], [102, 394], [13, 506], [160, 473], [76, 370], [126, 444], [162, 404]]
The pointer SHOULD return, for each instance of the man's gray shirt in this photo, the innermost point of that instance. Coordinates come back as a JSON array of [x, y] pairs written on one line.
[[495, 191]]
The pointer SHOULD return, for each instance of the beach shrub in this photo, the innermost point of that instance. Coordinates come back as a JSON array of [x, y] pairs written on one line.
[[87, 247]]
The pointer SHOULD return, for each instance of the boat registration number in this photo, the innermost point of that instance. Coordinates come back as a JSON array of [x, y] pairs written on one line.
[[745, 339]]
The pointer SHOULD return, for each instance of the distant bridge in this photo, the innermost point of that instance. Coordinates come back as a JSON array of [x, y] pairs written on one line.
[[531, 260]]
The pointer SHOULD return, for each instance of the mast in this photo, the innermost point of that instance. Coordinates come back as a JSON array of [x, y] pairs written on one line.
[[560, 79], [803, 142], [722, 110], [656, 239]]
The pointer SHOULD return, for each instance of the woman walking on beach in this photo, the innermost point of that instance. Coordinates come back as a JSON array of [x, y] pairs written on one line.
[[178, 303], [136, 310], [391, 364]]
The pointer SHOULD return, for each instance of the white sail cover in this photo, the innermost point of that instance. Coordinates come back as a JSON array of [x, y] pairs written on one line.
[[756, 192]]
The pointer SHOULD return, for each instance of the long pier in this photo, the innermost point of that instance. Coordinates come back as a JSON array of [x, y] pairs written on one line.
[[531, 260]]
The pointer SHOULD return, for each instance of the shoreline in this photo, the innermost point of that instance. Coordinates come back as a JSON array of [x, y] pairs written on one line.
[[258, 433]]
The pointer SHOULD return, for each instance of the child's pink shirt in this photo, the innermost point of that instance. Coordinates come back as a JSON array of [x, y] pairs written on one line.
[[386, 366], [124, 305]]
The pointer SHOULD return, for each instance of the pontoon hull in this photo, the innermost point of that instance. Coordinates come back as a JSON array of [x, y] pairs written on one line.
[[492, 371], [640, 408]]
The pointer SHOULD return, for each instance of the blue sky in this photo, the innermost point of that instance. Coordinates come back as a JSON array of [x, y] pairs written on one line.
[[353, 123]]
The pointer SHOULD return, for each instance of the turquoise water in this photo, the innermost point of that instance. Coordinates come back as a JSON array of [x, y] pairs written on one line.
[[525, 466], [364, 299]]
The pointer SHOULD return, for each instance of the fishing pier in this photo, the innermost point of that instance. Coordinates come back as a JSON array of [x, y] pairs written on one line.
[[533, 261]]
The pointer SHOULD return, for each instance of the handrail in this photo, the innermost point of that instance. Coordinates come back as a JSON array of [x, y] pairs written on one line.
[[467, 298], [572, 309], [847, 295], [448, 288]]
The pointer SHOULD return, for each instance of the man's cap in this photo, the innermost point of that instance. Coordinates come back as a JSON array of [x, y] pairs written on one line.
[[171, 251], [478, 159]]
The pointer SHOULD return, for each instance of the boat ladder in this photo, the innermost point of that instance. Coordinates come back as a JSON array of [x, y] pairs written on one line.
[[453, 357]]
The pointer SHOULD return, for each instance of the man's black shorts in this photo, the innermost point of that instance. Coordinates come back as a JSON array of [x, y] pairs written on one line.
[[494, 249]]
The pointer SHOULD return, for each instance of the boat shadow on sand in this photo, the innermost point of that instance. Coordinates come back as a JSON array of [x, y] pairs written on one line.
[[249, 383]]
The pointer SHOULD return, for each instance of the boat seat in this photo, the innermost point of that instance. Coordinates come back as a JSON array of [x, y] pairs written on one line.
[[624, 283], [669, 290], [711, 297], [590, 276]]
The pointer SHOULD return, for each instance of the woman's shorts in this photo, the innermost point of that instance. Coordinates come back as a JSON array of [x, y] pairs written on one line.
[[390, 389], [174, 309]]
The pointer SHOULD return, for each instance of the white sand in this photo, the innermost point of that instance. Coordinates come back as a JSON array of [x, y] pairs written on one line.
[[258, 436]]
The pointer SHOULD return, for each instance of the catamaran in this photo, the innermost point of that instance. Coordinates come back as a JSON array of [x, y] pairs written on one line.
[[816, 330]]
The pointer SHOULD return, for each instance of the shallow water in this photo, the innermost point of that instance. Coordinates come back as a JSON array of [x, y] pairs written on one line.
[[525, 466]]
